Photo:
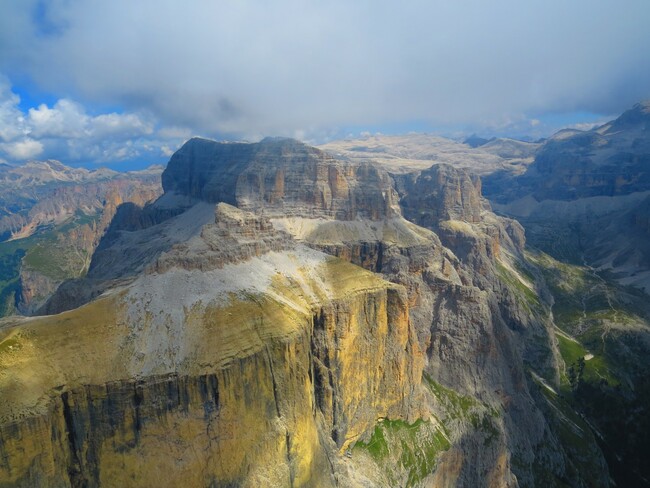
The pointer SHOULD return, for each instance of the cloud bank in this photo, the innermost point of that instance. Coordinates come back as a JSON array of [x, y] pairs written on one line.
[[250, 68], [65, 131]]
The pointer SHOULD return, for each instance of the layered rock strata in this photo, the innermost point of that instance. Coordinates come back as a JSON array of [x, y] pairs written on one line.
[[243, 374], [229, 349]]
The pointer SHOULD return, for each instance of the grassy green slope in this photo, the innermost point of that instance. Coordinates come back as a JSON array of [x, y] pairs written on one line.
[[603, 334]]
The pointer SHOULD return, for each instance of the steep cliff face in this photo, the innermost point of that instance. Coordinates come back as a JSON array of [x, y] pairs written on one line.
[[229, 349], [474, 329], [279, 175], [439, 193], [583, 202], [479, 321], [298, 325]]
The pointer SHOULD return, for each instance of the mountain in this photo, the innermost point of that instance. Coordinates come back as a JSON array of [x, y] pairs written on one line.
[[52, 218], [414, 152], [585, 202], [587, 191], [609, 160], [582, 197], [475, 141], [281, 316]]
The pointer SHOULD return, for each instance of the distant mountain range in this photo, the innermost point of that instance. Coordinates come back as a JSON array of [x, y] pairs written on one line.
[[401, 154], [51, 219], [586, 196]]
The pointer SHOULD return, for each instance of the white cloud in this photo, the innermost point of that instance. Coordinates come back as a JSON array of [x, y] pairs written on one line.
[[65, 119], [11, 118], [251, 68], [23, 149], [68, 119], [174, 133], [166, 151], [66, 131]]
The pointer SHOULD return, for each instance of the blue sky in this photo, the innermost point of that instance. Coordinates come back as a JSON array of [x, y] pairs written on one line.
[[124, 83]]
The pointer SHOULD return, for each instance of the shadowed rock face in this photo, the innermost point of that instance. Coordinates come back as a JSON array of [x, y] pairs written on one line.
[[439, 193], [610, 160], [581, 199], [281, 176]]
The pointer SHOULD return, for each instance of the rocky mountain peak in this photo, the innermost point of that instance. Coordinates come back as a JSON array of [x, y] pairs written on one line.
[[610, 160], [636, 118], [234, 236], [280, 176], [237, 304]]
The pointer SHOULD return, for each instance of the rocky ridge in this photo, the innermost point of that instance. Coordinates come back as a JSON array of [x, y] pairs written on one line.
[[583, 203], [412, 372], [583, 187]]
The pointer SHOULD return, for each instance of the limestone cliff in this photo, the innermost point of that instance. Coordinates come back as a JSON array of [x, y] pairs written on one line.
[[219, 343], [471, 321], [439, 193], [244, 372], [279, 175]]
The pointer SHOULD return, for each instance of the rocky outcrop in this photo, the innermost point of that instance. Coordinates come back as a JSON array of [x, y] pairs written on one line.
[[280, 176], [248, 382], [235, 236], [439, 193], [469, 320], [34, 289]]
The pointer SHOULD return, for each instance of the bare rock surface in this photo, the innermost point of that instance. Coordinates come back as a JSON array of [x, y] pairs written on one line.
[[228, 334]]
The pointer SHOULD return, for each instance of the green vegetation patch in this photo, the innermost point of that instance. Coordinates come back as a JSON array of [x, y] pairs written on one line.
[[48, 252], [399, 447], [582, 298], [582, 365], [465, 408], [527, 297], [610, 389], [457, 405], [10, 344], [576, 438]]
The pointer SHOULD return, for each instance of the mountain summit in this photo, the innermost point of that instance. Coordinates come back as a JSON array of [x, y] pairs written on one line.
[[283, 317]]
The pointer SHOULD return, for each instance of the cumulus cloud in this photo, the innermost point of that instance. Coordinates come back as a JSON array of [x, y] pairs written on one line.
[[11, 118], [252, 67], [66, 131], [68, 119], [25, 148]]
